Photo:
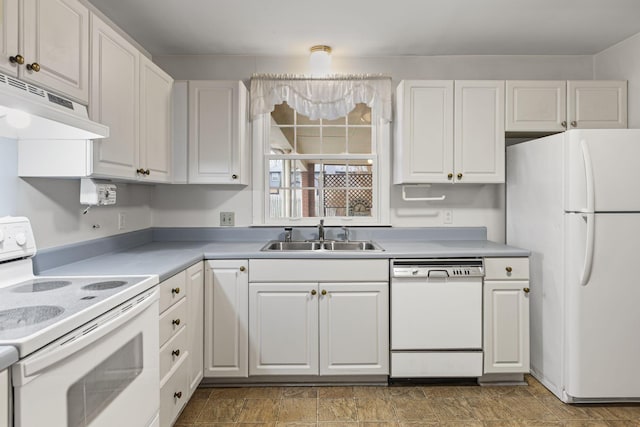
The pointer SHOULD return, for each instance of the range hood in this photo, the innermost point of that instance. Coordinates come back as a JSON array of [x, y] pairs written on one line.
[[30, 112]]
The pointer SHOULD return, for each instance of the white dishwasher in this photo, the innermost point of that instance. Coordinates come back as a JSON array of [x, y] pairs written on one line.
[[436, 318]]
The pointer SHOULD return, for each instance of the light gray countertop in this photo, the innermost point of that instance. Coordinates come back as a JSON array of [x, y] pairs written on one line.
[[8, 356], [169, 258]]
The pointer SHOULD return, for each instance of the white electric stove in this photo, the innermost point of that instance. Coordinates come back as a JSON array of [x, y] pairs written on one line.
[[88, 346]]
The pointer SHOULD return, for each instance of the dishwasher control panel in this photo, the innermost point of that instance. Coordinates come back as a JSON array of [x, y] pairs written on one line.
[[438, 268]]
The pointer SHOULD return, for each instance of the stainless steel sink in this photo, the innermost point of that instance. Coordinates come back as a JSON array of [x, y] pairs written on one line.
[[316, 245]]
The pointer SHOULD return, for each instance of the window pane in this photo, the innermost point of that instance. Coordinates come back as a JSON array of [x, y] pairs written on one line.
[[360, 140], [361, 115], [294, 203], [360, 175], [339, 121], [304, 120], [335, 202], [282, 114], [334, 140], [281, 139], [308, 140], [360, 202]]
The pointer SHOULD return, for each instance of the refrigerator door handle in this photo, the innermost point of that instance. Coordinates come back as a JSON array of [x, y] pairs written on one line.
[[588, 170], [590, 219]]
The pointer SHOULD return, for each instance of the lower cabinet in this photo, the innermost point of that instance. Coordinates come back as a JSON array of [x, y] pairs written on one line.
[[4, 398], [506, 315], [181, 356]]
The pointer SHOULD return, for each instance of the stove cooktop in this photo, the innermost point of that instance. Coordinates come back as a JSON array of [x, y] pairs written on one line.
[[37, 311]]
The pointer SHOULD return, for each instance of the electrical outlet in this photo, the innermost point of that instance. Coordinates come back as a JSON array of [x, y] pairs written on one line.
[[447, 216], [122, 220], [227, 219]]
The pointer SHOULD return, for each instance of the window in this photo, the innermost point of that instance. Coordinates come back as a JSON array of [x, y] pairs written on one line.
[[311, 169]]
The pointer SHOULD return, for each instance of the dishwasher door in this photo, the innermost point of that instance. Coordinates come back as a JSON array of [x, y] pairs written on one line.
[[430, 313]]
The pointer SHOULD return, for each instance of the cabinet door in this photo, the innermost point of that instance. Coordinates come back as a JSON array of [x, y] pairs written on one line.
[[424, 131], [283, 329], [354, 328], [9, 36], [4, 398], [114, 101], [597, 104], [155, 122], [226, 318], [217, 132], [506, 327], [55, 35], [195, 325], [536, 106], [479, 131]]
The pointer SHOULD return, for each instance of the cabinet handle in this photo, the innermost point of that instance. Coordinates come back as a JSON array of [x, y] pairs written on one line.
[[459, 176], [147, 172], [564, 124], [175, 290], [324, 292], [176, 353], [242, 268], [234, 176], [18, 59], [526, 290], [176, 322], [574, 124], [313, 292], [450, 176], [178, 395], [35, 67], [140, 171], [509, 269]]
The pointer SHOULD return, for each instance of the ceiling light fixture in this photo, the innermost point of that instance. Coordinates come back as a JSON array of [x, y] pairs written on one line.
[[320, 60]]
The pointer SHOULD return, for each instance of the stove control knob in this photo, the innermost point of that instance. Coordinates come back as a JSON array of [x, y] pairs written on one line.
[[21, 238]]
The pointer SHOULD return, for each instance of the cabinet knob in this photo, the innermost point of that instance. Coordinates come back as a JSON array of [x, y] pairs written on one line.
[[140, 171], [313, 292], [324, 292], [176, 322], [449, 176], [574, 124], [175, 290], [234, 176], [18, 59], [35, 67], [459, 176], [509, 269], [242, 268], [564, 124], [177, 395], [526, 290], [147, 172], [176, 353]]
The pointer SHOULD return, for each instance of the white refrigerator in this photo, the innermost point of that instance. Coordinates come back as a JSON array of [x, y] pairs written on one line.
[[573, 199]]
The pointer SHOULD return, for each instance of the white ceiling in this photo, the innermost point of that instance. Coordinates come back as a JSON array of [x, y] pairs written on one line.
[[375, 27]]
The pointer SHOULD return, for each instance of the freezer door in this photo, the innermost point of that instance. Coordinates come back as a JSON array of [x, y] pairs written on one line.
[[602, 316], [601, 170]]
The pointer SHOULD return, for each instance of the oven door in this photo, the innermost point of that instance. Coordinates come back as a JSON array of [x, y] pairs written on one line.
[[103, 374]]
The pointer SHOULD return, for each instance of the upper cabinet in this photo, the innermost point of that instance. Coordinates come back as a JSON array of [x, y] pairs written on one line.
[[449, 131], [218, 132], [47, 45], [545, 106]]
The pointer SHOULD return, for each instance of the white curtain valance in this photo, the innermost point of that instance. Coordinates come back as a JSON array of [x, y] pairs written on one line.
[[321, 98]]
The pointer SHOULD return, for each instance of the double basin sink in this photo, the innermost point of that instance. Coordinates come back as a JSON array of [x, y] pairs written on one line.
[[317, 245]]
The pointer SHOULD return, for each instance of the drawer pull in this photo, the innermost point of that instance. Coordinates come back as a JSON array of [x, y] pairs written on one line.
[[175, 291], [176, 353], [176, 322], [178, 395], [242, 268], [313, 292], [324, 292], [509, 269], [526, 290]]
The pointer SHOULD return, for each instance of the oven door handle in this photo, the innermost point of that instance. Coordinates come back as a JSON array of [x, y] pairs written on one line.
[[35, 365]]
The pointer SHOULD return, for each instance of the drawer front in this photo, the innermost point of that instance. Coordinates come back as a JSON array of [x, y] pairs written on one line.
[[318, 270], [173, 352], [173, 290], [173, 320], [174, 394], [506, 268], [439, 364]]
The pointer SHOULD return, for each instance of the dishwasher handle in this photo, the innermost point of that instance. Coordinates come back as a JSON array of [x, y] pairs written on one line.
[[438, 274]]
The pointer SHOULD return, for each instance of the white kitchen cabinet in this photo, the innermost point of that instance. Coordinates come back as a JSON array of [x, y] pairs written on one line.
[[506, 316], [354, 328], [218, 132], [449, 131], [155, 122], [226, 318], [9, 37], [195, 322], [283, 329], [115, 97], [4, 398], [546, 106]]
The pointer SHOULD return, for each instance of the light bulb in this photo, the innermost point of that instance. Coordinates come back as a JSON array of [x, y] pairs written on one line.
[[18, 119]]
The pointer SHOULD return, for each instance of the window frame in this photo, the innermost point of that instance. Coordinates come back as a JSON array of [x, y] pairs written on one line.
[[381, 155]]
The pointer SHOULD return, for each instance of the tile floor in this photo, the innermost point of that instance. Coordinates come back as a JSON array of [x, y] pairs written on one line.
[[396, 406]]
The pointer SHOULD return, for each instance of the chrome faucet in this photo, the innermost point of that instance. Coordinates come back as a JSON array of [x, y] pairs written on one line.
[[321, 230], [288, 232]]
